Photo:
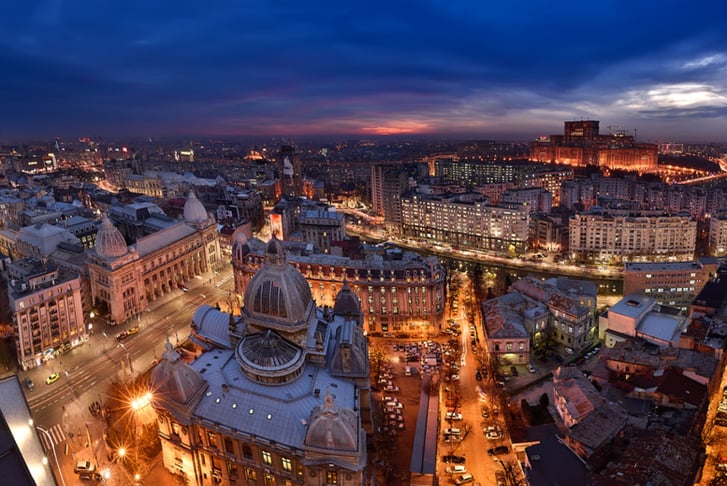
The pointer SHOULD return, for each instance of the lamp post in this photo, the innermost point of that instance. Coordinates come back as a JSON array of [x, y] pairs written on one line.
[[55, 457]]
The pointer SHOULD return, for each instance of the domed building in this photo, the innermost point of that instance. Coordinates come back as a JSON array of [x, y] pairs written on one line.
[[284, 391], [125, 279]]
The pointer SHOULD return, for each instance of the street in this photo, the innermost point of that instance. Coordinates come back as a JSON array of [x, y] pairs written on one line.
[[61, 409]]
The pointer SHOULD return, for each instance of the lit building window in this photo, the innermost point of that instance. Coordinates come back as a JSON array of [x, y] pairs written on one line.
[[267, 458]]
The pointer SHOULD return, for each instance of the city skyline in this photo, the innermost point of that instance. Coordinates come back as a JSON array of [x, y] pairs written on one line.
[[503, 71]]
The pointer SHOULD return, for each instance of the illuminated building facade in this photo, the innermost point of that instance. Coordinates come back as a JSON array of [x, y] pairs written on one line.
[[47, 310], [675, 284], [321, 227], [466, 221], [278, 396], [609, 238], [290, 172], [124, 280], [400, 292], [388, 183], [582, 145]]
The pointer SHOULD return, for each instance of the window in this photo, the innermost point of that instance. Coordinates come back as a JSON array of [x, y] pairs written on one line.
[[212, 439], [250, 473], [287, 464], [228, 445], [508, 346], [247, 452], [331, 477], [267, 458]]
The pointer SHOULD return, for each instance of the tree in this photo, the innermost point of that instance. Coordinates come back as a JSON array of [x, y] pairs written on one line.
[[513, 473], [377, 358]]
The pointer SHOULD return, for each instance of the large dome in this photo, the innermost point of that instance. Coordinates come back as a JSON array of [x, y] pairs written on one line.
[[194, 211], [278, 296], [110, 242]]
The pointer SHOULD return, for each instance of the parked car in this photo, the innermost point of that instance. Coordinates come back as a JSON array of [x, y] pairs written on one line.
[[531, 368], [464, 479], [496, 451], [457, 469], [453, 459], [83, 466], [513, 371], [453, 416]]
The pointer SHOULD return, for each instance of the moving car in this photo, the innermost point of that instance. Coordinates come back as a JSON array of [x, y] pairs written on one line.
[[29, 383], [132, 330], [52, 378], [122, 335]]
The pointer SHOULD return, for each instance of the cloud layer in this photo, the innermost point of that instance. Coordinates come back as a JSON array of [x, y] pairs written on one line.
[[504, 70]]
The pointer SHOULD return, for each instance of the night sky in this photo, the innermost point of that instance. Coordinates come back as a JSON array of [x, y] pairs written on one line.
[[508, 70]]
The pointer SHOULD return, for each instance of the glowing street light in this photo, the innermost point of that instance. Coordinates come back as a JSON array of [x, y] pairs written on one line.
[[142, 401]]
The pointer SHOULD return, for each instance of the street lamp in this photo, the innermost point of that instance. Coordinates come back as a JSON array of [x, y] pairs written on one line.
[[55, 457]]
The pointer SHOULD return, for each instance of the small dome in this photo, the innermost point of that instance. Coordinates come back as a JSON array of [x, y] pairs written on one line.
[[173, 379], [266, 356], [194, 211], [278, 295], [347, 304], [275, 253], [110, 243], [332, 427]]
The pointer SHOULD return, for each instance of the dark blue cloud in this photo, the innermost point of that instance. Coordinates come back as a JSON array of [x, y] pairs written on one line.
[[505, 69]]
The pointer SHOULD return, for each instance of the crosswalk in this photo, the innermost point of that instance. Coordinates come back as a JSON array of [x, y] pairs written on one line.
[[54, 437]]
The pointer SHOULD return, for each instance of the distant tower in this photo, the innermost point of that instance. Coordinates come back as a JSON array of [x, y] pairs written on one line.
[[290, 173]]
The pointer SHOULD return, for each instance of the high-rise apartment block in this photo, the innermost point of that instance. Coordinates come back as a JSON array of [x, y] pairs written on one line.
[[290, 172], [388, 183], [466, 221], [602, 237]]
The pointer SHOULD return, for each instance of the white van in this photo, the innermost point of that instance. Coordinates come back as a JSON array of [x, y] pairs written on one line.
[[464, 479], [456, 469], [408, 371], [452, 431]]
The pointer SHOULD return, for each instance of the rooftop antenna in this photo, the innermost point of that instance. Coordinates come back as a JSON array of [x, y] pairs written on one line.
[[635, 132]]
